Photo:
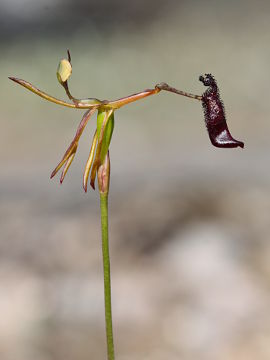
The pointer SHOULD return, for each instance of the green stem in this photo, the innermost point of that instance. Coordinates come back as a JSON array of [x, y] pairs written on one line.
[[107, 276]]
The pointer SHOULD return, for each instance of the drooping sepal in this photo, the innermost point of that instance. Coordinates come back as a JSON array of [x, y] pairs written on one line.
[[90, 161], [71, 151]]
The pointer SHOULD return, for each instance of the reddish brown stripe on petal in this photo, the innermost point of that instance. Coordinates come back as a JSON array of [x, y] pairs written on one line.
[[89, 162], [74, 144], [66, 167]]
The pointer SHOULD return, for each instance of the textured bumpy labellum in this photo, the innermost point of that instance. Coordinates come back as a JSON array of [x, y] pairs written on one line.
[[214, 114]]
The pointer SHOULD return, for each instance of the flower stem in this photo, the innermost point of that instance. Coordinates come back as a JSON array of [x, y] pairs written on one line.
[[107, 275], [164, 86]]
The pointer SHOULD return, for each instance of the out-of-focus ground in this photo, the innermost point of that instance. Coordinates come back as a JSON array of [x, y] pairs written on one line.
[[189, 223]]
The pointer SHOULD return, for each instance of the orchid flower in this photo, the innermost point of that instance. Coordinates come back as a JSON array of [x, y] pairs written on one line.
[[99, 150], [98, 162], [213, 110]]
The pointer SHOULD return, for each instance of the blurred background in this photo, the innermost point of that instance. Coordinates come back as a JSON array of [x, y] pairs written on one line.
[[189, 222]]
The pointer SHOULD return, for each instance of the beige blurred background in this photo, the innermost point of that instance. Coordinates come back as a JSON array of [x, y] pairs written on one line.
[[189, 223]]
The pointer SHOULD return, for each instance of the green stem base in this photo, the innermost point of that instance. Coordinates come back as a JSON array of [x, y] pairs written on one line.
[[107, 275]]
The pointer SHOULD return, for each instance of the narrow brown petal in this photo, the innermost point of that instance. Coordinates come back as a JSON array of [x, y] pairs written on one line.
[[89, 162], [70, 151], [45, 96], [116, 104], [66, 167], [41, 93], [74, 144]]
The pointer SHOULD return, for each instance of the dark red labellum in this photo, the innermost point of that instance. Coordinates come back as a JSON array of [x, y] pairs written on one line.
[[214, 115]]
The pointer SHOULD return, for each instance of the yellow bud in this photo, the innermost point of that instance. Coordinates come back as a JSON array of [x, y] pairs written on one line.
[[64, 71]]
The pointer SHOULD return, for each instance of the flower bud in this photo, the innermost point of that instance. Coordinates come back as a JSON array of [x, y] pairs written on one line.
[[64, 71], [103, 175]]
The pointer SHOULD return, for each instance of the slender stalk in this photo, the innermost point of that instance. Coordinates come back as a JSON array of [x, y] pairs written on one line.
[[107, 275], [166, 87]]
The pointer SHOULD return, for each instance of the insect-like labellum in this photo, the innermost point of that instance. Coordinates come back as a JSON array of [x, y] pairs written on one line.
[[214, 115]]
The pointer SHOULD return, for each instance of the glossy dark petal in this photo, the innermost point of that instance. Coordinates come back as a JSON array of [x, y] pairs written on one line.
[[220, 136], [214, 115]]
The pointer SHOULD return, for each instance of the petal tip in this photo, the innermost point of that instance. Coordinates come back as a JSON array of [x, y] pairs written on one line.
[[92, 183], [13, 79], [241, 144], [52, 174]]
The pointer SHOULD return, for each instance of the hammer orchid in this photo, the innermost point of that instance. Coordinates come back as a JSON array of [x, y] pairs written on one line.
[[98, 162]]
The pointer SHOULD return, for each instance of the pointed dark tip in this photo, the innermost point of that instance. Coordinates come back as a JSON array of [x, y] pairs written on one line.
[[62, 177], [93, 185], [241, 144], [18, 81], [85, 188], [69, 56]]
